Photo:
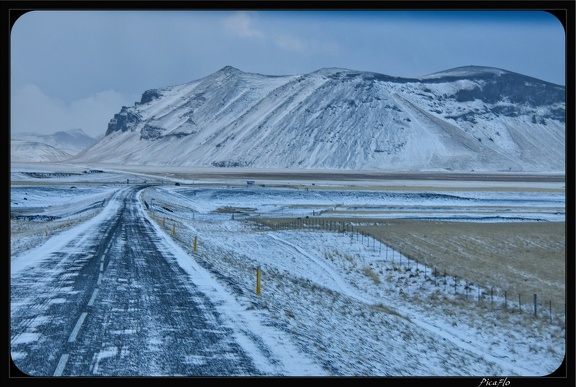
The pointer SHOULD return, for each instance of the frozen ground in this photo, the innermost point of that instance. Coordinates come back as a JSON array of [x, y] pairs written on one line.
[[325, 295]]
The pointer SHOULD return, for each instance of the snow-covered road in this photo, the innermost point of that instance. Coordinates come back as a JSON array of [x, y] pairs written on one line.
[[110, 300]]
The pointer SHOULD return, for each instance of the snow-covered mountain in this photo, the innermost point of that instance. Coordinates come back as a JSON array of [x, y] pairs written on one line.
[[467, 118], [70, 141], [35, 152]]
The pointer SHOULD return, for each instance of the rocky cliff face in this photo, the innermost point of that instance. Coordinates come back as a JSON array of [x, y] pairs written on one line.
[[468, 118]]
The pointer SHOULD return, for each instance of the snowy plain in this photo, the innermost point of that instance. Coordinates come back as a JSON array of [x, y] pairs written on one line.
[[320, 311]]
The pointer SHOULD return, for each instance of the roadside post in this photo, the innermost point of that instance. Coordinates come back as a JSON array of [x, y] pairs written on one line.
[[258, 279], [195, 243]]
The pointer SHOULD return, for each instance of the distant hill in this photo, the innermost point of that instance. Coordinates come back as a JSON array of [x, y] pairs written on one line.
[[35, 152], [463, 119], [71, 141]]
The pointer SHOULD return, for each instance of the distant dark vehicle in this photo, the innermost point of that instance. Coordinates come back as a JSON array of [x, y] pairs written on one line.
[[177, 183], [73, 187]]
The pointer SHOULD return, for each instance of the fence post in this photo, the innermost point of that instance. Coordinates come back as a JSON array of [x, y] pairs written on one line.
[[519, 304], [195, 242], [258, 278], [535, 314], [491, 298]]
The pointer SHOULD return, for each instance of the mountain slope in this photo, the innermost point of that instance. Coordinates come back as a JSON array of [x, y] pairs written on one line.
[[469, 118]]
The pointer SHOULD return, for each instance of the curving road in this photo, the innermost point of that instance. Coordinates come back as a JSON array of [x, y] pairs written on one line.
[[114, 302]]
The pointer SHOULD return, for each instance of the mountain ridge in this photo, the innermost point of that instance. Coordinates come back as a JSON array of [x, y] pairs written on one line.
[[463, 119]]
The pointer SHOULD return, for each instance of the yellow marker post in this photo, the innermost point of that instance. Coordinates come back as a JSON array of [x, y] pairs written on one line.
[[195, 243], [258, 278], [174, 230]]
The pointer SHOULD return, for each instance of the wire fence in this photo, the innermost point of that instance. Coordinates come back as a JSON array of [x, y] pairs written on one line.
[[494, 298]]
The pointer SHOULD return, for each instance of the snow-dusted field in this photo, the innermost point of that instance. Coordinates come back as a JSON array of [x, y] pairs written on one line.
[[333, 298]]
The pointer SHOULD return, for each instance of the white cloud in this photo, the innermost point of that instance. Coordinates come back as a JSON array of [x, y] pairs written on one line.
[[34, 111], [241, 24]]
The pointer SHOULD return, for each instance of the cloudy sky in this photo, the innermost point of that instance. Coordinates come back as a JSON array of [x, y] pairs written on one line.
[[76, 69]]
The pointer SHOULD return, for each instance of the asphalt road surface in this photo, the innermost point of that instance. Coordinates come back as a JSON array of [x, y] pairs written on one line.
[[113, 302]]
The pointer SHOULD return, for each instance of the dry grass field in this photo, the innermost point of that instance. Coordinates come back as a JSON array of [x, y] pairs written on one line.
[[523, 258], [527, 258]]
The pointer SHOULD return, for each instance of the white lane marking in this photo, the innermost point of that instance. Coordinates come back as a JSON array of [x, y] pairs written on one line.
[[74, 333], [61, 365], [91, 302]]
